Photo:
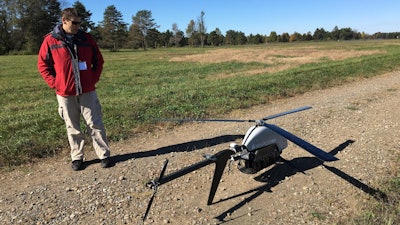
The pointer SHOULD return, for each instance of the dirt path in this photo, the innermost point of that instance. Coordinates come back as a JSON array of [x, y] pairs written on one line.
[[359, 122]]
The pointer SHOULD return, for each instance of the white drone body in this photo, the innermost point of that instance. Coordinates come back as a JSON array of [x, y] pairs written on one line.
[[261, 147], [258, 137]]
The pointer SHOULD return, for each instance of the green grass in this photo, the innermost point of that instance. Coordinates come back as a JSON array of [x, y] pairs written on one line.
[[138, 87]]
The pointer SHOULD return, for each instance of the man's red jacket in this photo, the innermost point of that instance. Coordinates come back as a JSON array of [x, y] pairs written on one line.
[[55, 61]]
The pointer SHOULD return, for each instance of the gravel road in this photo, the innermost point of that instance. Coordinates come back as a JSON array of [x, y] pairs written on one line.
[[358, 122]]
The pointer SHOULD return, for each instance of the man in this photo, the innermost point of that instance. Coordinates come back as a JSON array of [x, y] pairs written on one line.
[[71, 63]]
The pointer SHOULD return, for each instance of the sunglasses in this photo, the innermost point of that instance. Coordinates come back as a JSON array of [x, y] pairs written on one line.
[[75, 22]]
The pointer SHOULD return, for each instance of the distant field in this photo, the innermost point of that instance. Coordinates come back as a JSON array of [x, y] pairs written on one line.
[[138, 87]]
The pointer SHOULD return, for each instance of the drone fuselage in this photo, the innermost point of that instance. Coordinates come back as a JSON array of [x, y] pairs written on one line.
[[258, 137], [261, 147]]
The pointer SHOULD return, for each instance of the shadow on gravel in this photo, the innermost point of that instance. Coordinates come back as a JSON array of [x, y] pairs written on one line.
[[285, 168], [183, 147]]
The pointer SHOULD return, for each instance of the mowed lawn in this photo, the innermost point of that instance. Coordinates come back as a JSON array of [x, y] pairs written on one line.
[[139, 87]]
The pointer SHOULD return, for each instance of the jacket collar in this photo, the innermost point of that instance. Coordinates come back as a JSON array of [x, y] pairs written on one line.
[[59, 34]]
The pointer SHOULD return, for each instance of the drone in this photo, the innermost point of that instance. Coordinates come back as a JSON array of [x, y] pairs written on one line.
[[261, 147]]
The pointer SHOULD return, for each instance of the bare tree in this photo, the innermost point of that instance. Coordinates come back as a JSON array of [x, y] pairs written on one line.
[[177, 35], [201, 28]]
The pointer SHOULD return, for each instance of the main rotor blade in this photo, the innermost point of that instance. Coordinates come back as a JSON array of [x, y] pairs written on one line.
[[319, 153], [287, 112], [237, 121], [206, 120]]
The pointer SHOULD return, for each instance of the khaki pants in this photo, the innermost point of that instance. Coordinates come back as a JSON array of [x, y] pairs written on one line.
[[70, 109]]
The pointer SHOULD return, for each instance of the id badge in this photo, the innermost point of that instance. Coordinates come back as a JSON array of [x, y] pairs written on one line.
[[82, 65]]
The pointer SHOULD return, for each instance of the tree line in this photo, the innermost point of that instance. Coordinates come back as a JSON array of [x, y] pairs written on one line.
[[24, 23]]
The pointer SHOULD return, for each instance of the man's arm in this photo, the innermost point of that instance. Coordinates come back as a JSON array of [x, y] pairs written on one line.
[[97, 60], [46, 65]]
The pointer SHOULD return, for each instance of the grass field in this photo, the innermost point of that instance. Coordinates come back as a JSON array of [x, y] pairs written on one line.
[[138, 87]]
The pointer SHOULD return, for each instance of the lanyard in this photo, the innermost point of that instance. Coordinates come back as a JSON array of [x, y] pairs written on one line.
[[73, 51]]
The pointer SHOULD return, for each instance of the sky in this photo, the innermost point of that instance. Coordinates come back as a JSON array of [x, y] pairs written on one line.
[[259, 16]]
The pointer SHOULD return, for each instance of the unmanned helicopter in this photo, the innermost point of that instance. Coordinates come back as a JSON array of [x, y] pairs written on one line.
[[261, 147]]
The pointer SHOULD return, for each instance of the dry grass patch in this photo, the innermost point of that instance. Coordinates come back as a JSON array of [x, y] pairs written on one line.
[[277, 58]]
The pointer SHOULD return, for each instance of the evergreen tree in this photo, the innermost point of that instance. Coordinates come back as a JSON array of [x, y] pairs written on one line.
[[134, 37], [230, 37], [143, 21], [273, 37], [153, 38], [112, 29], [86, 24], [34, 19], [215, 38], [320, 34], [5, 29], [165, 37]]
